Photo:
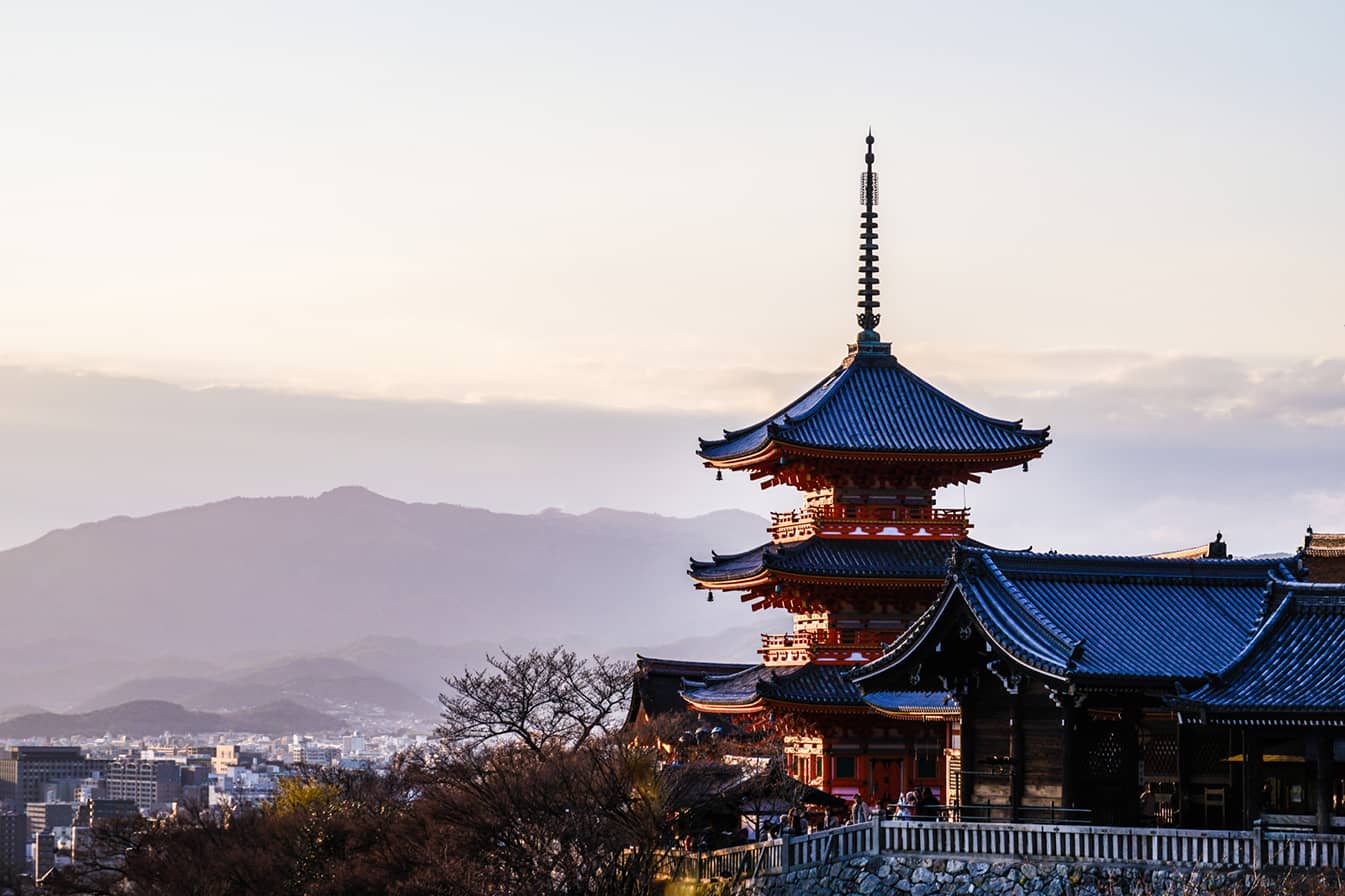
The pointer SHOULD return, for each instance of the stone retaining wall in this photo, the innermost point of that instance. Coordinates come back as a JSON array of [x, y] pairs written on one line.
[[906, 876]]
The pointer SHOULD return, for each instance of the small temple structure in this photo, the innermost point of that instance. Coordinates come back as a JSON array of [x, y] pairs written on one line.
[[1324, 554], [864, 556]]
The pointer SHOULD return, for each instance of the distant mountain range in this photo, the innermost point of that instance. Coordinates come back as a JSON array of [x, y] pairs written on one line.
[[326, 684], [143, 718], [347, 601]]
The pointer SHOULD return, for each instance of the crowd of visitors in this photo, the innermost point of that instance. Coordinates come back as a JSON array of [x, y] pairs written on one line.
[[919, 803]]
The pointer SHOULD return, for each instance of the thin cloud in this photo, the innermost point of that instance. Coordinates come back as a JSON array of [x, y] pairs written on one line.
[[1150, 452]]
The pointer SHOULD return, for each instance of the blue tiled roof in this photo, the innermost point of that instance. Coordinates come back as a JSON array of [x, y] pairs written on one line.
[[871, 403], [808, 684], [659, 682], [738, 689], [1296, 663], [911, 701], [812, 683], [891, 558], [1092, 616]]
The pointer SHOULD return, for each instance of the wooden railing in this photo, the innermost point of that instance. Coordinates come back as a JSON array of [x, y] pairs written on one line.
[[828, 645], [882, 513], [868, 520], [736, 862], [1255, 849], [830, 637]]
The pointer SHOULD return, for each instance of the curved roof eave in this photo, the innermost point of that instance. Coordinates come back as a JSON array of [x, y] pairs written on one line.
[[908, 643], [773, 446], [926, 626], [818, 708], [824, 385], [913, 418], [724, 709], [823, 560], [1030, 660]]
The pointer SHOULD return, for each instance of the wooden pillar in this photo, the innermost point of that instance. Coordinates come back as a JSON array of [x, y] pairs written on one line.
[[1130, 763], [1185, 818], [968, 749], [1253, 777], [1017, 767], [1068, 776], [1325, 764]]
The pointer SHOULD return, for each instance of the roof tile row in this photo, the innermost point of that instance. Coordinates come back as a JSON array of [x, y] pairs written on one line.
[[891, 558], [1091, 616], [871, 403]]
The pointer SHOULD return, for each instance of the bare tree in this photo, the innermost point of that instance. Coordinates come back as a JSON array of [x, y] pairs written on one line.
[[540, 699]]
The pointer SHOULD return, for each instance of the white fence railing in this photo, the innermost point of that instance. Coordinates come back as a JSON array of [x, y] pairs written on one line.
[[1254, 849]]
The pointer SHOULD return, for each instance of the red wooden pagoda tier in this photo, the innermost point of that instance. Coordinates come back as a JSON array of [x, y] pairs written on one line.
[[849, 596], [868, 575]]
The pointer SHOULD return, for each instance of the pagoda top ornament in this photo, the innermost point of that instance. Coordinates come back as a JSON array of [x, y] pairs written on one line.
[[868, 318], [873, 410]]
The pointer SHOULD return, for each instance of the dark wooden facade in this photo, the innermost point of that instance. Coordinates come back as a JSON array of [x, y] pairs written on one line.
[[1126, 691]]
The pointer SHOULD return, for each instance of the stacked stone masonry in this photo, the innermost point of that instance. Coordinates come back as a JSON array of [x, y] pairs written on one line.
[[906, 876]]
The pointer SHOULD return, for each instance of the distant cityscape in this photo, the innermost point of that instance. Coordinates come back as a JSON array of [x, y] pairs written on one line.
[[131, 729], [52, 794]]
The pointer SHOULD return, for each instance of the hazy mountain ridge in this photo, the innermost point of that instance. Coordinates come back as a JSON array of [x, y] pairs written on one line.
[[22, 709], [298, 574], [326, 684], [143, 718], [169, 601]]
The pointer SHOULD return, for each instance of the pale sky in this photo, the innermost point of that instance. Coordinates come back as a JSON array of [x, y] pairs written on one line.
[[1124, 220], [615, 204]]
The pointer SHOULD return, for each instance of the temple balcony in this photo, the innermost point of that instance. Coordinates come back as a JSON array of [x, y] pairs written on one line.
[[831, 646], [870, 521]]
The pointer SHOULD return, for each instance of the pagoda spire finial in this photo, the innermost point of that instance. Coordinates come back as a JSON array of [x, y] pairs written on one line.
[[868, 259]]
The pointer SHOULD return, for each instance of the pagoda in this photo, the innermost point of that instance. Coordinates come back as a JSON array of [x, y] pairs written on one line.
[[865, 554]]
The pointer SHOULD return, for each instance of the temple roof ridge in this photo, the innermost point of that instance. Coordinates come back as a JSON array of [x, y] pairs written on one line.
[[1001, 421], [1286, 606], [1099, 616], [1057, 565], [783, 413], [895, 651], [1069, 642]]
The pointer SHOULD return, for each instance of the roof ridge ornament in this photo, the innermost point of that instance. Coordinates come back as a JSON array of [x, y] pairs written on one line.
[[868, 318]]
